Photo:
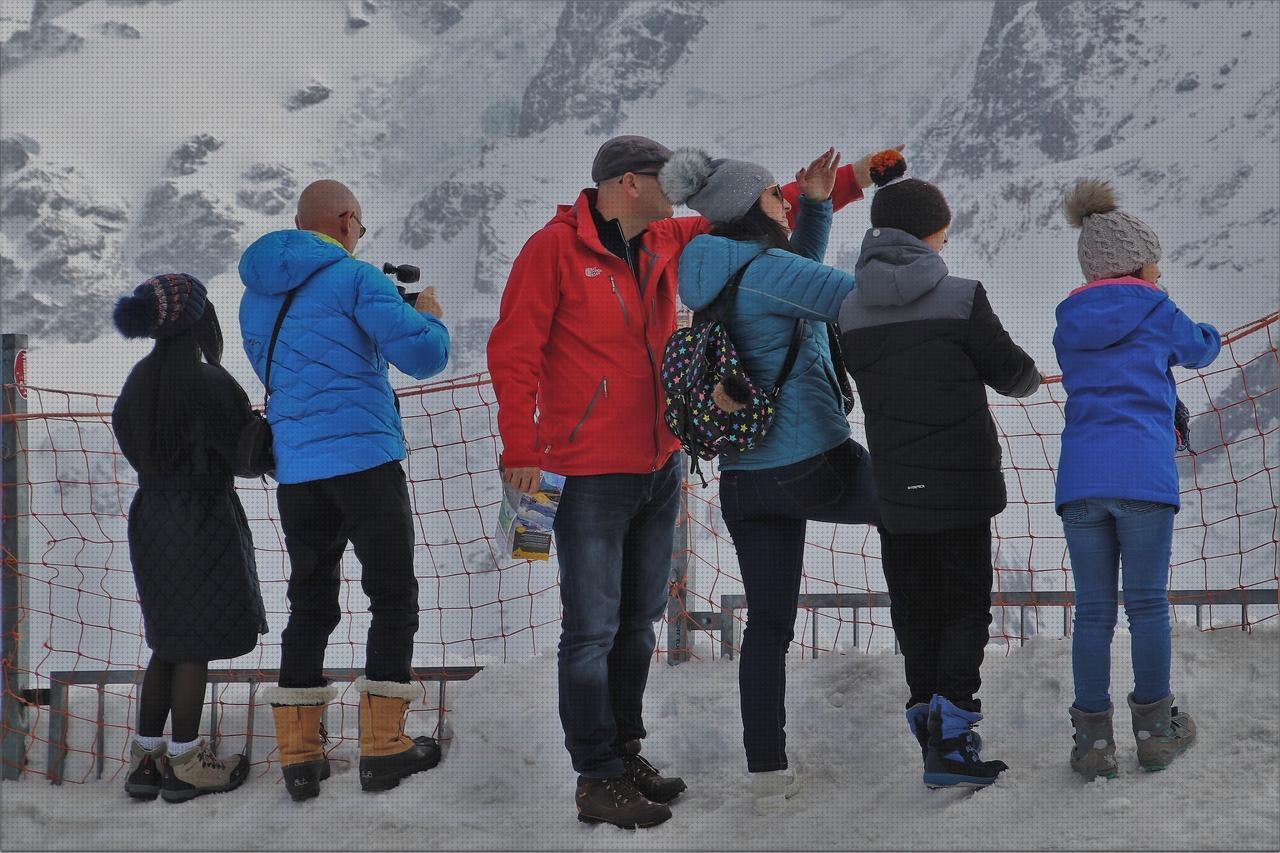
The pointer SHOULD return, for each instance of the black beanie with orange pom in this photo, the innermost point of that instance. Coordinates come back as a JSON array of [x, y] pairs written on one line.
[[908, 204]]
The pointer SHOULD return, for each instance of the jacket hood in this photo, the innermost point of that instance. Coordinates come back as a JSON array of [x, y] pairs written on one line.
[[578, 217], [282, 260], [896, 268], [707, 264], [1105, 312]]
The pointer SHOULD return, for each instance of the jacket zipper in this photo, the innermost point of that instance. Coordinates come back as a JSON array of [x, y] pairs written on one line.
[[626, 315], [601, 389], [644, 329]]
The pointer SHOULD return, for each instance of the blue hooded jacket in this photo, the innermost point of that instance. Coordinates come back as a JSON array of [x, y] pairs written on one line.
[[332, 410], [776, 289], [1116, 341]]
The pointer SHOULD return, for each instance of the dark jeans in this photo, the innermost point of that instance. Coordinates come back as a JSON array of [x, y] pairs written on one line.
[[370, 509], [1107, 537], [767, 513], [614, 534], [940, 593]]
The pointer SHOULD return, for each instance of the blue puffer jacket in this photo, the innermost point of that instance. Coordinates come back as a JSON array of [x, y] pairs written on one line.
[[332, 410], [1116, 342], [776, 289]]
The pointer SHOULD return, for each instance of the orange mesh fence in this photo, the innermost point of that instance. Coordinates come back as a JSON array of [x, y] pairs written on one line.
[[79, 612]]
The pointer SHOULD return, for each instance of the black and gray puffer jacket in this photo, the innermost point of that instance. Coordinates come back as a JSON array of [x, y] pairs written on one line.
[[921, 344]]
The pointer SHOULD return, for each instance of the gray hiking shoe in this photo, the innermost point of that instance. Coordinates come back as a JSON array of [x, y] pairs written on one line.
[[1094, 753], [1162, 732], [200, 771]]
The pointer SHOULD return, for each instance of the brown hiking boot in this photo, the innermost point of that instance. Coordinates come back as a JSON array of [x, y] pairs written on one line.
[[387, 754], [646, 778], [617, 801], [146, 772], [300, 736], [199, 771]]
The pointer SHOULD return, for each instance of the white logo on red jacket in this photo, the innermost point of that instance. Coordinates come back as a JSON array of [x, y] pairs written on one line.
[[592, 272]]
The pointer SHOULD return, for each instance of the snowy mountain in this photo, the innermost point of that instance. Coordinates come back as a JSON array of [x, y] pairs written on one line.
[[462, 124]]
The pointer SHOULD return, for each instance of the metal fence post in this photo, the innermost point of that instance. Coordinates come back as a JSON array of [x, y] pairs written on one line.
[[679, 640], [14, 513]]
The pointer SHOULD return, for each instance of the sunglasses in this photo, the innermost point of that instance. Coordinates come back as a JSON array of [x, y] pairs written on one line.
[[352, 214]]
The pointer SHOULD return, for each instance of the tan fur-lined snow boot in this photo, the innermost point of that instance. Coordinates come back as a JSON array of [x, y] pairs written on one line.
[[300, 736], [387, 754]]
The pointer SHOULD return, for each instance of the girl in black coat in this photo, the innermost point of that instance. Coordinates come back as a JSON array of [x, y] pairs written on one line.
[[177, 421]]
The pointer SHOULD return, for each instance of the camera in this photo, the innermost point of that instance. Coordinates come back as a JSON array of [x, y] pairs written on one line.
[[406, 274]]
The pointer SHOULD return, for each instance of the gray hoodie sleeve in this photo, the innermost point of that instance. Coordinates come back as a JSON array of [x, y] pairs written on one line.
[[1002, 364]]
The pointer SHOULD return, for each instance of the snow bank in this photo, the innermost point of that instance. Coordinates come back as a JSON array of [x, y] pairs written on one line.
[[506, 782]]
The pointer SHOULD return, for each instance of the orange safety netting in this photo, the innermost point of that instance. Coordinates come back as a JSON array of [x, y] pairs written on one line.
[[479, 606]]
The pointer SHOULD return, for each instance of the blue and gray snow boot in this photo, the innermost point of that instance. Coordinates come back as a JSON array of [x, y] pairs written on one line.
[[954, 747], [1094, 753], [918, 722]]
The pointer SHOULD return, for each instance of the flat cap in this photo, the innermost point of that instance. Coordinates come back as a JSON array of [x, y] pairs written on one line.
[[623, 154]]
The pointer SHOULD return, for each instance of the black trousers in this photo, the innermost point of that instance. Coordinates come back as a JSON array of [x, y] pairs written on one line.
[[940, 589], [371, 510], [767, 512]]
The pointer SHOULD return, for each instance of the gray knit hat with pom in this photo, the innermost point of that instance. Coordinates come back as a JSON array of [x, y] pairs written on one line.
[[1112, 243], [721, 190]]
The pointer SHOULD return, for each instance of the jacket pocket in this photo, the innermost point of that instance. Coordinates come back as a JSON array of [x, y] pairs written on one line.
[[602, 390], [626, 315]]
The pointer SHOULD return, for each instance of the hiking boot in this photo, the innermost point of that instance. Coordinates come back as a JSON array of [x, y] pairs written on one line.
[[646, 778], [618, 802], [953, 759], [300, 736], [199, 771], [1162, 733], [387, 754], [146, 772], [1094, 753], [918, 722]]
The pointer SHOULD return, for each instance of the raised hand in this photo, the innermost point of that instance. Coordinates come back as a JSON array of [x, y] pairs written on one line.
[[862, 168], [818, 179]]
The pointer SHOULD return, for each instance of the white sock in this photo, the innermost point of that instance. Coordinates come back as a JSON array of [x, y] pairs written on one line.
[[150, 744], [176, 748]]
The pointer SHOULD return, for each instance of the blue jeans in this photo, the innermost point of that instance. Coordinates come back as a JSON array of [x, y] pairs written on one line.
[[1104, 537], [767, 512], [614, 535]]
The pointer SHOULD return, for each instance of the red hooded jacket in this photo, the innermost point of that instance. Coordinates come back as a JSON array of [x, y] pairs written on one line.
[[579, 342]]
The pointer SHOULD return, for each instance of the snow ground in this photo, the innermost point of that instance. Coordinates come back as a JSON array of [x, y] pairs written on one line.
[[506, 784]]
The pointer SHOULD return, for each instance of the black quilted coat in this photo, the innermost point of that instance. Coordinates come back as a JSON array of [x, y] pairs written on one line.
[[189, 540]]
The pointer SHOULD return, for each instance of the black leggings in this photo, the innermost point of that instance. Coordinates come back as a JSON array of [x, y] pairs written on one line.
[[176, 687]]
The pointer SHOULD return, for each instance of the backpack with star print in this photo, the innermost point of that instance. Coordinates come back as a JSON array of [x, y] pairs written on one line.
[[698, 358]]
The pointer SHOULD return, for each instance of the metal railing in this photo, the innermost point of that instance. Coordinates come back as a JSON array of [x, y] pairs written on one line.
[[61, 682]]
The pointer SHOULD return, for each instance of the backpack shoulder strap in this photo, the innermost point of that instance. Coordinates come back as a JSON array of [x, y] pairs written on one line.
[[720, 305], [793, 352]]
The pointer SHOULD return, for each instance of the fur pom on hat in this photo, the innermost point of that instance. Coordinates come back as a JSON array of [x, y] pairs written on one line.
[[1089, 197], [684, 174], [160, 307], [1112, 243], [887, 166]]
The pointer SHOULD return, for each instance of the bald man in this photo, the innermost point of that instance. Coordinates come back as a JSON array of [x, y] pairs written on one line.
[[336, 323]]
